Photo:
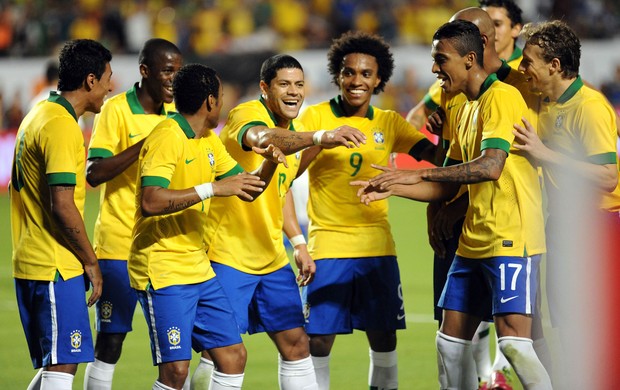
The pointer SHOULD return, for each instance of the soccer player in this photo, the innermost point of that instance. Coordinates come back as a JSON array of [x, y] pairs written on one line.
[[357, 283], [182, 164], [254, 268], [503, 237], [508, 21], [576, 147], [118, 134], [53, 259]]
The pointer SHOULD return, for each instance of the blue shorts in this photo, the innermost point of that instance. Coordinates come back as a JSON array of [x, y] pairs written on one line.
[[441, 267], [262, 303], [55, 319], [188, 316], [492, 286], [115, 309], [346, 294]]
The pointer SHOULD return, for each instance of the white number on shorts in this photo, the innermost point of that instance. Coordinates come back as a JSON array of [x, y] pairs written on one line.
[[515, 275]]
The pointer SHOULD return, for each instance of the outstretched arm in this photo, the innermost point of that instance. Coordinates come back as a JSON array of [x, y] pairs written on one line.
[[101, 170]]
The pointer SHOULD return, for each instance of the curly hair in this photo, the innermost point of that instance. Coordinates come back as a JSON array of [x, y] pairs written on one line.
[[363, 43], [513, 10], [557, 40], [192, 85], [79, 58]]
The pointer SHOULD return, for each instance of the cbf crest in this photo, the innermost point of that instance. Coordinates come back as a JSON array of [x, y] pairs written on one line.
[[559, 120], [379, 138], [174, 337], [76, 340], [106, 311], [211, 157]]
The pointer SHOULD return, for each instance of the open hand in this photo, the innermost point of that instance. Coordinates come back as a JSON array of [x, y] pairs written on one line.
[[346, 136], [272, 153], [238, 185]]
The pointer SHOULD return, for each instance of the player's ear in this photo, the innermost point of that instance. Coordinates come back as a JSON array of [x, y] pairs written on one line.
[[211, 102], [263, 89], [144, 71]]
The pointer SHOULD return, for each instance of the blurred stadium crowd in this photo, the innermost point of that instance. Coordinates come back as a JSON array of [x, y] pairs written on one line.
[[212, 28]]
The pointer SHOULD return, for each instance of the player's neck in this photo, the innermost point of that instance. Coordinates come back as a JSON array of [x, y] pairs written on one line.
[[558, 87], [476, 78], [147, 102]]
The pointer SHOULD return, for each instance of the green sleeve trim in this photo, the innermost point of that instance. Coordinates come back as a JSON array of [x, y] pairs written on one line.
[[155, 181], [429, 103], [234, 171], [61, 178], [495, 143], [603, 158], [99, 153], [244, 129], [449, 162], [418, 148]]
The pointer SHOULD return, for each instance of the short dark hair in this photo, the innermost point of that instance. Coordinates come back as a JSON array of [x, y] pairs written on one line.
[[51, 71], [79, 58], [270, 67], [557, 40], [515, 14], [464, 36], [192, 85], [153, 47], [363, 43]]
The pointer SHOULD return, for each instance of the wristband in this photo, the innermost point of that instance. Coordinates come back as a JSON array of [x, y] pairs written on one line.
[[316, 137], [297, 240], [205, 190]]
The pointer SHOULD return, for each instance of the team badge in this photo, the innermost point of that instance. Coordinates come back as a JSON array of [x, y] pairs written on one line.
[[106, 310], [76, 340], [378, 136], [174, 336], [559, 120], [211, 158], [306, 311]]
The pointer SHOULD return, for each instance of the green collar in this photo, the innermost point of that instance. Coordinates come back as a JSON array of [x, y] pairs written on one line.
[[134, 104], [503, 71], [516, 53], [570, 91], [487, 84], [273, 117], [183, 123], [336, 106], [55, 97]]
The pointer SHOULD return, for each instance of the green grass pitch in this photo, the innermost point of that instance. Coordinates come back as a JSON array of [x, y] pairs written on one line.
[[349, 364]]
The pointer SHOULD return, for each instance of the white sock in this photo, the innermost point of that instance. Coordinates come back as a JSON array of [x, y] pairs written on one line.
[[160, 386], [35, 383], [481, 351], [297, 374], [544, 355], [500, 363], [54, 380], [441, 370], [383, 371], [321, 370], [221, 381], [187, 383], [520, 353], [202, 375], [456, 357], [98, 375]]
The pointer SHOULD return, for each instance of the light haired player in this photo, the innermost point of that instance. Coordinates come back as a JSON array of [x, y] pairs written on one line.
[[495, 270], [52, 257], [118, 134]]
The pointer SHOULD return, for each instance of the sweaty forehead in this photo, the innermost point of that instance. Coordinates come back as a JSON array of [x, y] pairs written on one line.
[[442, 46], [359, 60], [289, 74]]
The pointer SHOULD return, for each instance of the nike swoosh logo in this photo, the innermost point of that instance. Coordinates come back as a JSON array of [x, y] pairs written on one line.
[[189, 161], [400, 316], [134, 135], [451, 106], [504, 300]]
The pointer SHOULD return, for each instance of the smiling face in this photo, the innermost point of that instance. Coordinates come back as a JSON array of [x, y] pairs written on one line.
[[359, 76], [100, 89], [158, 76], [449, 66], [535, 68], [285, 94]]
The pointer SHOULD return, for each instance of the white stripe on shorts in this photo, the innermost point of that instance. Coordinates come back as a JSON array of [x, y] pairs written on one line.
[[153, 327], [528, 291], [54, 322]]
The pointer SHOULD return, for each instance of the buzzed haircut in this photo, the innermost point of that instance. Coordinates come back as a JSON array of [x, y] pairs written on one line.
[[78, 58], [153, 47], [192, 85], [270, 67], [557, 40], [362, 43], [464, 36], [515, 14]]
